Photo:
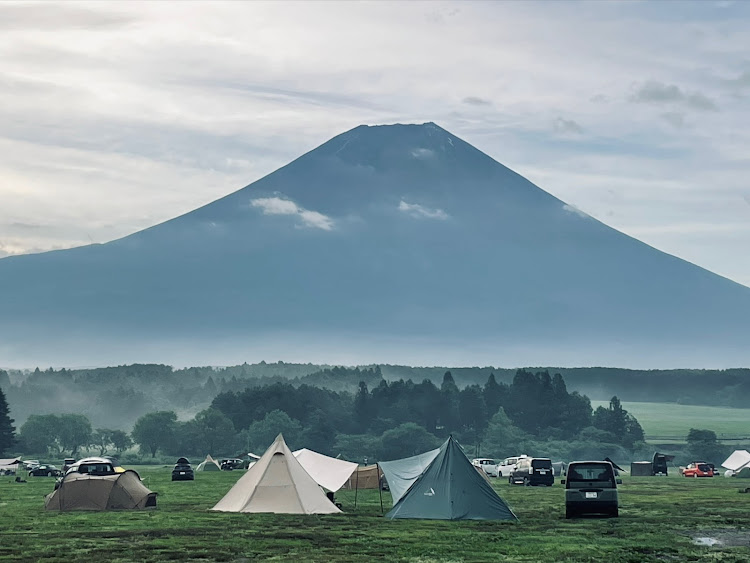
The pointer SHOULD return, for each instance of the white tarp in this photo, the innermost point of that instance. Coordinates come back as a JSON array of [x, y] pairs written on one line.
[[738, 460], [328, 472], [277, 483], [401, 473], [10, 461]]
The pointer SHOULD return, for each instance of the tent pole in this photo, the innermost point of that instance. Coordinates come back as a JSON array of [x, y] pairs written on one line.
[[380, 489], [356, 487]]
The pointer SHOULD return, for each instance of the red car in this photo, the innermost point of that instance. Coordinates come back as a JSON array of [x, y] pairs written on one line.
[[698, 469]]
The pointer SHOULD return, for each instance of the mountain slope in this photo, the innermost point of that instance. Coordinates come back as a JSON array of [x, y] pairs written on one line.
[[387, 243]]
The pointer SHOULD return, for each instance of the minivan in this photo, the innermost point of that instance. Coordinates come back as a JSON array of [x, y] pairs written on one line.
[[591, 488], [533, 471]]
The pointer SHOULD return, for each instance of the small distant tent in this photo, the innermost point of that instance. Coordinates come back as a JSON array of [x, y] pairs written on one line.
[[640, 469], [277, 483], [9, 465], [450, 489], [81, 491], [401, 473], [743, 473], [208, 464], [328, 472], [738, 460], [365, 477], [559, 468]]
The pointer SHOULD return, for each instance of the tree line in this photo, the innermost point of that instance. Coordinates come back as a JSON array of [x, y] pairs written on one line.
[[393, 419]]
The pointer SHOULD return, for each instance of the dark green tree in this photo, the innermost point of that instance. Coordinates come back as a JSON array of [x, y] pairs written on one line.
[[618, 422], [7, 430], [362, 408], [155, 431], [406, 440]]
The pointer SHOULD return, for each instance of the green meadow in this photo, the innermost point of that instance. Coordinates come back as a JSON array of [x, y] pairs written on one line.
[[660, 519], [674, 420]]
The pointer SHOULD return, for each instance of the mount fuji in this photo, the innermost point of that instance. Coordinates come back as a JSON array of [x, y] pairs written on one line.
[[388, 244]]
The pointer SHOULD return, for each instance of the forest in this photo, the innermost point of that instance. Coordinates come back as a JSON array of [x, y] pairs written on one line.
[[115, 397]]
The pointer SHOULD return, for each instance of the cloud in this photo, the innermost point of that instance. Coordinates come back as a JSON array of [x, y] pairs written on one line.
[[419, 211], [476, 101], [423, 153], [567, 126], [653, 92], [573, 209], [279, 206], [674, 118], [55, 17]]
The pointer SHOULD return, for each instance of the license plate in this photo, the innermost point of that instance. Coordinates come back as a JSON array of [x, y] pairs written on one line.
[[591, 495], [182, 473], [543, 471]]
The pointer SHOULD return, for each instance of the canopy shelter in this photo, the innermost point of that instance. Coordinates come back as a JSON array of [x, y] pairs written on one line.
[[119, 491], [277, 483], [402, 473], [738, 460], [328, 472], [8, 466], [365, 477], [208, 464], [617, 467], [450, 489]]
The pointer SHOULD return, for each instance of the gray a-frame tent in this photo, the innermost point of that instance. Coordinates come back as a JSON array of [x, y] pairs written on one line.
[[449, 488]]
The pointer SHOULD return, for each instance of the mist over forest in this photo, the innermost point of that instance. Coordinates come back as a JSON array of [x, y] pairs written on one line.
[[115, 397]]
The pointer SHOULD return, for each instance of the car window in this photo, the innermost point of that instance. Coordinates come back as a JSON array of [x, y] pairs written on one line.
[[587, 472], [541, 464]]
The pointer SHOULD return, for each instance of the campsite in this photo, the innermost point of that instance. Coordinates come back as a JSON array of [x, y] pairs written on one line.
[[661, 518]]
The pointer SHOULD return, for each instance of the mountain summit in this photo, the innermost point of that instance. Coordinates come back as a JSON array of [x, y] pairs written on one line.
[[398, 243]]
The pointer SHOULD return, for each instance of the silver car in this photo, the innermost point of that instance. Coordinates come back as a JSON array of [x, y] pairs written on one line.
[[591, 488]]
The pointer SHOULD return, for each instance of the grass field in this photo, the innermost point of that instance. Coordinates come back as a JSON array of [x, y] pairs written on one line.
[[671, 419], [660, 517]]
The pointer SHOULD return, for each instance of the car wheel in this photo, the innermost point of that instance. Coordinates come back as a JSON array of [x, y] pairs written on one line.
[[615, 513], [569, 513], [695, 475]]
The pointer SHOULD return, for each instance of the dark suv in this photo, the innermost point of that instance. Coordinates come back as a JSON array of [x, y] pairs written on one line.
[[533, 471], [183, 471], [591, 488]]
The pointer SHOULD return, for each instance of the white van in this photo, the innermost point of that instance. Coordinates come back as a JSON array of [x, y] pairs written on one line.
[[506, 466]]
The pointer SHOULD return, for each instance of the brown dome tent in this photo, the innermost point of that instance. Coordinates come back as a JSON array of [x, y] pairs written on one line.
[[79, 491]]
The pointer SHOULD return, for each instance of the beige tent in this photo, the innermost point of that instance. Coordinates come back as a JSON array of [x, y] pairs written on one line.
[[328, 472], [208, 464], [365, 477], [80, 491], [277, 483]]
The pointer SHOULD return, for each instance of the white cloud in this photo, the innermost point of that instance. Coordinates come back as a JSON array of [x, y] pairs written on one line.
[[423, 153], [573, 209], [419, 211], [279, 206]]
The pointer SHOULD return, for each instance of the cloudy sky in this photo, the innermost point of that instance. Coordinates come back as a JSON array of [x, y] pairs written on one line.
[[117, 116]]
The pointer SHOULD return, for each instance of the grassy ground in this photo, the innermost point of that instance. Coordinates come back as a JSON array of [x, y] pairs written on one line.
[[671, 419], [659, 519]]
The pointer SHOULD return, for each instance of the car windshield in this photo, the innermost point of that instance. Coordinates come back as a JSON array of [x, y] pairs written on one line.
[[704, 467], [541, 464]]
